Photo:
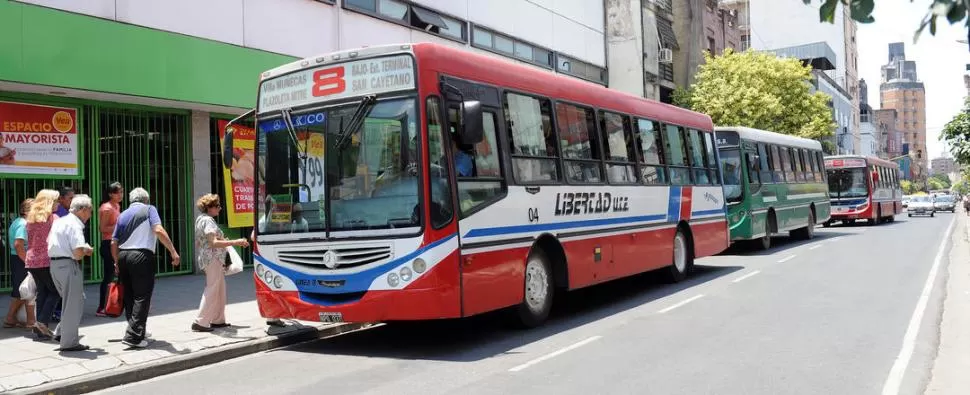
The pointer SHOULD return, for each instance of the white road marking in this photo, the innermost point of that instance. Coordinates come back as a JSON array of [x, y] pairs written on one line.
[[898, 371], [739, 279], [787, 258], [681, 303], [556, 353], [819, 245]]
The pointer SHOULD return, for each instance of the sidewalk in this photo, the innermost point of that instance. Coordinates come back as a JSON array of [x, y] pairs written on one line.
[[30, 366], [949, 374]]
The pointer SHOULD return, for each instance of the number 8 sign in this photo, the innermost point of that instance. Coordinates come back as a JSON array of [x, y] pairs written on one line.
[[329, 81]]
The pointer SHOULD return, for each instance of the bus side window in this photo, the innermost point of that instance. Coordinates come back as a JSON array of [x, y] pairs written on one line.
[[810, 158], [777, 171], [697, 157], [787, 167], [440, 206], [821, 166], [754, 171], [713, 169], [579, 143], [532, 142], [618, 150], [764, 164], [796, 158], [676, 150], [485, 184], [806, 166], [652, 153]]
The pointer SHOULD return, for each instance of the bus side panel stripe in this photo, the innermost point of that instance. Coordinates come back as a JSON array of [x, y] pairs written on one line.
[[686, 195], [673, 205]]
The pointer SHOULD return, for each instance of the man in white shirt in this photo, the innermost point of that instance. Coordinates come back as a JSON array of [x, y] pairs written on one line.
[[66, 247]]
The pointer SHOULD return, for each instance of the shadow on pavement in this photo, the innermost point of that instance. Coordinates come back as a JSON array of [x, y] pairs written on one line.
[[487, 335], [781, 243]]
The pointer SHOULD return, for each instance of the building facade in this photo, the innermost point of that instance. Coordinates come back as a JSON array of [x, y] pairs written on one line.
[[141, 86], [901, 90], [868, 133], [943, 165], [890, 139], [702, 26]]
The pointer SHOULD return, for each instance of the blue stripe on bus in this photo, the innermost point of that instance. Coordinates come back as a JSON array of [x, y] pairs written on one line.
[[709, 212], [673, 205], [504, 230]]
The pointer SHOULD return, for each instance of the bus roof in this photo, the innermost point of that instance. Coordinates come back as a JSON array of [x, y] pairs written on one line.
[[764, 136], [872, 160]]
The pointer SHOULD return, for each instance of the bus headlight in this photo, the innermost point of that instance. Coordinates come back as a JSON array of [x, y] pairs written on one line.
[[268, 277], [260, 270], [406, 274], [393, 280], [278, 282], [419, 265]]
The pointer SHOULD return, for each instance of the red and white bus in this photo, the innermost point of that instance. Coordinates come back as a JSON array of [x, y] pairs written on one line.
[[420, 181], [863, 187]]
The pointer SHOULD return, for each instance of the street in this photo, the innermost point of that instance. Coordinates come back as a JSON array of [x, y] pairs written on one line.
[[825, 316]]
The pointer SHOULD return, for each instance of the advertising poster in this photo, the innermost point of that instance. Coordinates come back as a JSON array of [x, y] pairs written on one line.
[[38, 140], [240, 179]]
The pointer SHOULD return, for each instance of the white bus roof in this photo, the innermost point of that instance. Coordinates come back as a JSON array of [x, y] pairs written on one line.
[[765, 136], [336, 57]]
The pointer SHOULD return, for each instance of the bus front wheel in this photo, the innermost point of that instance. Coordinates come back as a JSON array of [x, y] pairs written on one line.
[[537, 300], [765, 241]]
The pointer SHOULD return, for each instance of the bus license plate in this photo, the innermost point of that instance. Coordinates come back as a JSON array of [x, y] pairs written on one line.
[[331, 317]]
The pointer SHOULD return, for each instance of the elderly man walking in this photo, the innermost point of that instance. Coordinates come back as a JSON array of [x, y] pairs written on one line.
[[133, 248], [66, 247]]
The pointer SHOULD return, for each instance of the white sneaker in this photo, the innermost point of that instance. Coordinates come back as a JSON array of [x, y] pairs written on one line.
[[144, 343]]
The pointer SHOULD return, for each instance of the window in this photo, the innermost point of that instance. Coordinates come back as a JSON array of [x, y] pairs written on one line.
[[580, 69], [698, 157], [440, 206], [676, 149], [753, 161], [712, 167], [413, 16], [496, 42], [618, 148], [816, 171], [651, 151], [786, 164], [711, 46], [764, 164], [796, 158], [579, 143], [478, 172], [532, 141], [777, 171], [821, 165]]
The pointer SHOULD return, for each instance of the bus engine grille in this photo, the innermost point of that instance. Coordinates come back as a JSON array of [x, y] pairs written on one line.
[[336, 258]]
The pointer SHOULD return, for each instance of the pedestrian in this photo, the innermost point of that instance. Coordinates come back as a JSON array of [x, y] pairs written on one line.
[[63, 208], [210, 248], [107, 218], [133, 248], [18, 272], [38, 263], [66, 248]]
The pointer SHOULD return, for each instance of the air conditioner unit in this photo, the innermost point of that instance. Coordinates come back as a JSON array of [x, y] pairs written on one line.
[[666, 55]]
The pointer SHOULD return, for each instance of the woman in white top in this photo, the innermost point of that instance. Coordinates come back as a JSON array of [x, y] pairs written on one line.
[[210, 247]]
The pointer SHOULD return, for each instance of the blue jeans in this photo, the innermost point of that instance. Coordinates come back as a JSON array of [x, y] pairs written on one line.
[[47, 296]]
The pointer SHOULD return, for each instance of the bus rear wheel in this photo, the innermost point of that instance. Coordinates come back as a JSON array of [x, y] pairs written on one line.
[[537, 300], [683, 259], [808, 232]]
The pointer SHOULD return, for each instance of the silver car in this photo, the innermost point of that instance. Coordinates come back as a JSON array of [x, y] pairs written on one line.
[[921, 205], [945, 203]]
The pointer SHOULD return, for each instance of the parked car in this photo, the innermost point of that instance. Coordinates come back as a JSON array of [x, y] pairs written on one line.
[[921, 205], [945, 203]]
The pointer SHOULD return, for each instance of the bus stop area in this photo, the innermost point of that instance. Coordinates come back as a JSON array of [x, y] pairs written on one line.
[[29, 366]]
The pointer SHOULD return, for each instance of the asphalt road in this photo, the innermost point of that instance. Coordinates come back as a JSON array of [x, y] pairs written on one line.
[[826, 316]]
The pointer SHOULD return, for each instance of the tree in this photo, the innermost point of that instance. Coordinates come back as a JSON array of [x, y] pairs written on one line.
[[759, 90], [941, 179], [907, 186], [861, 11], [956, 133], [961, 187]]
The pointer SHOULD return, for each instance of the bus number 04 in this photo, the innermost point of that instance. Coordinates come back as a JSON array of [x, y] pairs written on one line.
[[329, 81], [533, 214]]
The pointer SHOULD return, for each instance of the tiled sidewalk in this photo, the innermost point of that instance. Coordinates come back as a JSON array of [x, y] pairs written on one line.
[[29, 365]]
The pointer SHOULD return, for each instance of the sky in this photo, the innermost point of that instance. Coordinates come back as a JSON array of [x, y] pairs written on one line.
[[940, 60]]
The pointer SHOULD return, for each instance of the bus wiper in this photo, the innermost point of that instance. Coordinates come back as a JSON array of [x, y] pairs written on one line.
[[291, 132], [356, 120]]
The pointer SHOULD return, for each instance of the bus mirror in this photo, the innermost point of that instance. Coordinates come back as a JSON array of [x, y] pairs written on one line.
[[471, 123], [227, 151]]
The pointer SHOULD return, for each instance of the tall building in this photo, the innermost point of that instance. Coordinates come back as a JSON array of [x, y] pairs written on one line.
[[902, 91], [943, 165], [868, 134], [703, 26], [794, 30], [890, 139]]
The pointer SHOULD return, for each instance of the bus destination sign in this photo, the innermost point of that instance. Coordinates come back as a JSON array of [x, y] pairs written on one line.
[[845, 163], [333, 82], [727, 139]]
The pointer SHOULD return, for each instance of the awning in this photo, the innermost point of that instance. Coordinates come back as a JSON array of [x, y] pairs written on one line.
[[667, 37]]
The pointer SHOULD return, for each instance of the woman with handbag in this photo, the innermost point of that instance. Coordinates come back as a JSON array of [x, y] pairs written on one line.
[[18, 272], [39, 220], [210, 247]]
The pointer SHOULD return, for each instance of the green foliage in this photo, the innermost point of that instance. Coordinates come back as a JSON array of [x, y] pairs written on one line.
[[934, 184], [956, 133], [907, 186], [953, 11], [759, 90], [682, 97], [962, 187], [941, 179]]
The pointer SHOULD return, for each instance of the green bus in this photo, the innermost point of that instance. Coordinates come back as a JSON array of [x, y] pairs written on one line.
[[772, 183]]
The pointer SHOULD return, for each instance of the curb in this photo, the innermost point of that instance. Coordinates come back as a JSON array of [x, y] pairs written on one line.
[[141, 372]]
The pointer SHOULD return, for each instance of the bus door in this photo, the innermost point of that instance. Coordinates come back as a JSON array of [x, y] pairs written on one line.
[[487, 275]]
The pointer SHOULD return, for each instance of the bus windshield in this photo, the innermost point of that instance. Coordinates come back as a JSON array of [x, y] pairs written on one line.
[[371, 172], [731, 167], [848, 183]]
